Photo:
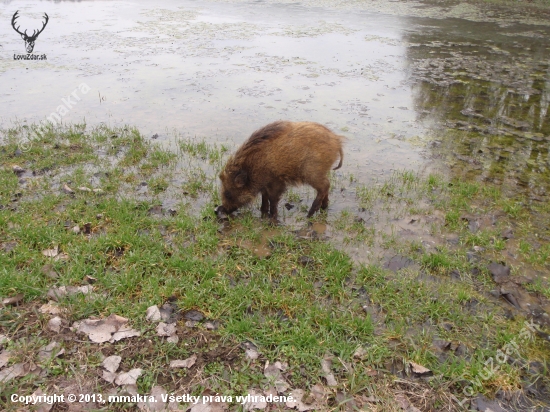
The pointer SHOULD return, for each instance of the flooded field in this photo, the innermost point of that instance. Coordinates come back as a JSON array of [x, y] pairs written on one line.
[[433, 258], [406, 83]]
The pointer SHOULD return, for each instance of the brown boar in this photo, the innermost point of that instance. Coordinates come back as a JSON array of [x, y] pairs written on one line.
[[278, 155]]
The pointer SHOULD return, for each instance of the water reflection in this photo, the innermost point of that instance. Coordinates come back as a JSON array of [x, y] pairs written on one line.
[[490, 97]]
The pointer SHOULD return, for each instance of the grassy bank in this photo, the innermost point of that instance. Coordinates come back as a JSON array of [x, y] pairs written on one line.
[[111, 210]]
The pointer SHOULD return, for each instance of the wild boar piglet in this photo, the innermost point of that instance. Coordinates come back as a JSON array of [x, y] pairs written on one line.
[[276, 156]]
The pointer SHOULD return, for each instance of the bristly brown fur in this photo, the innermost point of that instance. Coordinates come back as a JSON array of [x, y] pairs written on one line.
[[278, 155]]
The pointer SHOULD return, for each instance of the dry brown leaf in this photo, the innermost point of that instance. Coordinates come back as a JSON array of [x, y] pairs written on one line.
[[4, 358], [186, 363], [50, 308], [51, 252], [109, 376], [54, 324], [419, 369], [111, 363], [56, 293], [103, 330], [13, 300], [157, 392], [153, 313], [128, 378], [53, 349], [124, 333], [252, 354], [273, 374], [68, 190], [360, 352], [297, 403], [253, 404], [61, 256], [326, 364], [49, 271], [12, 372], [166, 329], [41, 406]]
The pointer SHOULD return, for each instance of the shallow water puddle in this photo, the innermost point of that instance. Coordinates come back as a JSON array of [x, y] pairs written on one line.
[[383, 75]]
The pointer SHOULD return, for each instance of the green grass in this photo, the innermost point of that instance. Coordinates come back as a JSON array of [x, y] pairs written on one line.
[[292, 311]]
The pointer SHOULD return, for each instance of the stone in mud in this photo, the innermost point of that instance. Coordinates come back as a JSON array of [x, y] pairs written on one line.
[[500, 273], [507, 234]]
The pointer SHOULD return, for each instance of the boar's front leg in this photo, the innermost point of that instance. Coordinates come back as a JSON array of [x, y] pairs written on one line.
[[321, 200], [265, 204], [274, 194]]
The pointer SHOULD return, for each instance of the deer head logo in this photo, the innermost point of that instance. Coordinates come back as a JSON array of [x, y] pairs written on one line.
[[29, 40]]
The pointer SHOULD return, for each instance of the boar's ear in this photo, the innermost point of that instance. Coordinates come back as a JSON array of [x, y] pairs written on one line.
[[241, 179]]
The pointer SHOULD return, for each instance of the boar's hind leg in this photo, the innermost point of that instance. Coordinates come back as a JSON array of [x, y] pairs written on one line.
[[265, 204], [322, 196], [324, 203]]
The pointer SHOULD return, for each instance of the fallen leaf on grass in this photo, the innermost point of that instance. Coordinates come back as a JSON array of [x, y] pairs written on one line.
[[124, 333], [186, 363], [209, 406], [111, 363], [273, 374], [405, 404], [326, 364], [46, 352], [49, 271], [420, 370], [54, 324], [104, 330], [345, 401], [41, 406], [68, 190], [169, 330], [4, 358], [109, 376], [193, 315], [155, 404], [14, 300], [128, 378], [50, 308], [51, 252], [298, 402], [153, 313], [18, 370], [57, 293], [360, 352], [12, 372], [254, 404], [251, 351]]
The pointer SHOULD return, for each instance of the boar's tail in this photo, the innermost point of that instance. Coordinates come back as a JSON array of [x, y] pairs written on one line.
[[341, 159]]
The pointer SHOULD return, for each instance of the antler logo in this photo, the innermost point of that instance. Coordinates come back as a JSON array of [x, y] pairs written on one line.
[[29, 40]]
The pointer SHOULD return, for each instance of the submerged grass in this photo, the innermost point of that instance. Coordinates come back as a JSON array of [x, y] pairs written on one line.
[[307, 301]]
